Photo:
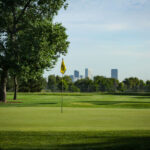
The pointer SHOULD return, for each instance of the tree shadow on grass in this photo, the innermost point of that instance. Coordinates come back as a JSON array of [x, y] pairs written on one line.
[[142, 97], [47, 103], [113, 102], [117, 143], [114, 140], [133, 143]]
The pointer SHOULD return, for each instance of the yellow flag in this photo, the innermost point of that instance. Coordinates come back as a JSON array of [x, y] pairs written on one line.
[[63, 67]]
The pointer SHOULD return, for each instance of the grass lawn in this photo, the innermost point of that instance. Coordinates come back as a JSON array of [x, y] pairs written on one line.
[[89, 121]]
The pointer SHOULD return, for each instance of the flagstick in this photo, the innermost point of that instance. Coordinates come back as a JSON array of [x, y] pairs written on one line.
[[62, 96]]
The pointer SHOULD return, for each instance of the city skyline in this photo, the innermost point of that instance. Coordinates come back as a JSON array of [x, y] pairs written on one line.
[[107, 34], [88, 74], [82, 75], [77, 75]]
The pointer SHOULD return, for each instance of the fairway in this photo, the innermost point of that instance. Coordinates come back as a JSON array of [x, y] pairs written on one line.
[[73, 119], [88, 121]]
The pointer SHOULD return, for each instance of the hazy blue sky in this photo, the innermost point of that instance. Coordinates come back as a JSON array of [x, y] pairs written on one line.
[[107, 34]]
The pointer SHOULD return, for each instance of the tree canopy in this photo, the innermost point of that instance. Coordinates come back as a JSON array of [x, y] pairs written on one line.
[[29, 40]]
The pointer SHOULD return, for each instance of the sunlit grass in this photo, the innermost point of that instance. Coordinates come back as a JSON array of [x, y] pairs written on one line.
[[77, 100], [88, 121]]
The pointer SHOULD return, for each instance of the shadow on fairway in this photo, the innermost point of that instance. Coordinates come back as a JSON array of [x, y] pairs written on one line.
[[119, 104], [114, 144], [46, 103], [115, 140], [113, 102], [142, 97], [118, 143]]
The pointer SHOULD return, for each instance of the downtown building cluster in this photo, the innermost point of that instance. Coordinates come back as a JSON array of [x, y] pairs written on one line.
[[77, 76]]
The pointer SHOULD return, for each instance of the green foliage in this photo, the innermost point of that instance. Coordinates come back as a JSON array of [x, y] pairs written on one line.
[[29, 40], [85, 85], [106, 84], [62, 85], [52, 85], [32, 84], [73, 88], [27, 25], [148, 86], [67, 79], [10, 84], [99, 84], [121, 87], [28, 85], [133, 84], [55, 83]]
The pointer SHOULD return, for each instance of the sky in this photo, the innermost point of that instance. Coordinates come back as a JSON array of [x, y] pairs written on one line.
[[107, 34]]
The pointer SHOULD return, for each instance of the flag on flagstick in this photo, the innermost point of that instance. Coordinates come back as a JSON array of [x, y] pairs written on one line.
[[63, 67], [62, 70]]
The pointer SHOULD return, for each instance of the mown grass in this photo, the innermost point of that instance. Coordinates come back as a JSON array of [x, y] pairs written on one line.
[[73, 119], [89, 121], [77, 100], [108, 140]]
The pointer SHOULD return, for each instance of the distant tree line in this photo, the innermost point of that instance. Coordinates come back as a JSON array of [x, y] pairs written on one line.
[[32, 84], [98, 84]]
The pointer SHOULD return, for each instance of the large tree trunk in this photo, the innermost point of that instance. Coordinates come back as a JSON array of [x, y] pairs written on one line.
[[15, 87], [3, 85]]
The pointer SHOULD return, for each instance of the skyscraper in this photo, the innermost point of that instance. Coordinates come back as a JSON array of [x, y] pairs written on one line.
[[114, 73], [76, 74], [88, 73]]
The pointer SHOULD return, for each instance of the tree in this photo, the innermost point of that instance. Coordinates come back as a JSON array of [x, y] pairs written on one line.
[[133, 84], [73, 88], [71, 85], [28, 37], [148, 85], [121, 87], [45, 49], [142, 85], [62, 85], [52, 85], [10, 84], [99, 81], [105, 84], [55, 84], [85, 85], [67, 79], [32, 84], [63, 81]]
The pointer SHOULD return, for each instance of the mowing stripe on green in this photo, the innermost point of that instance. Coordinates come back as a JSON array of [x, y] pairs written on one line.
[[73, 119]]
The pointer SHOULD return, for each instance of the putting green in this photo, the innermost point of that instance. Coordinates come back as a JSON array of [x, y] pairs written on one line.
[[73, 119], [89, 121]]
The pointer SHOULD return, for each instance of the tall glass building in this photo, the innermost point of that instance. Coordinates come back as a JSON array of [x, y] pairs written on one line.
[[88, 73], [76, 74], [114, 73]]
